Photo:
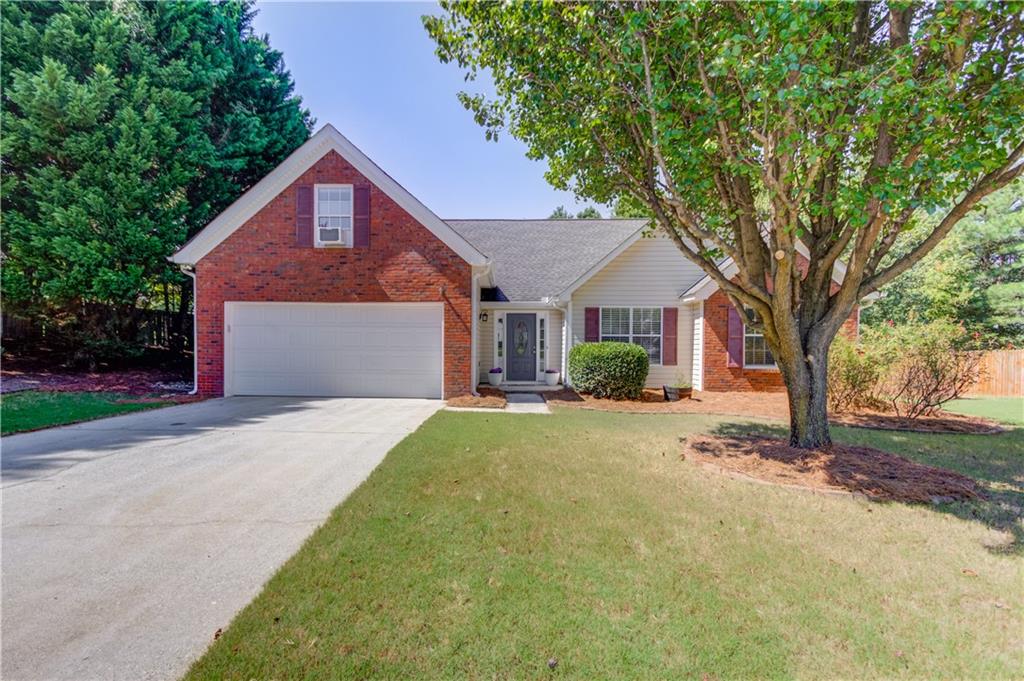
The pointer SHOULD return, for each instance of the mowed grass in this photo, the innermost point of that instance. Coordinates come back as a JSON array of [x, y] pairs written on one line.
[[487, 544], [1005, 409], [32, 409]]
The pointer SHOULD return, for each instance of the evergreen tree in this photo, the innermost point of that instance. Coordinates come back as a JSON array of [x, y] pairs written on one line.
[[974, 277], [127, 127]]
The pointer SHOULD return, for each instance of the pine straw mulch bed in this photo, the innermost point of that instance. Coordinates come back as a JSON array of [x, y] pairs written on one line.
[[489, 398], [133, 382], [768, 405], [876, 474]]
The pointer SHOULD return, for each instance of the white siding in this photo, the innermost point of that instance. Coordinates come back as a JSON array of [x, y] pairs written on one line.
[[650, 273], [698, 345], [555, 340]]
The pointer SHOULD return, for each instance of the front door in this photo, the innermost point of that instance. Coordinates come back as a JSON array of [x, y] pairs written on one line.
[[521, 341]]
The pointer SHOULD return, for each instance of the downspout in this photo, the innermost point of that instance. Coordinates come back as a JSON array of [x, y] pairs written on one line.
[[474, 370], [190, 271], [567, 344]]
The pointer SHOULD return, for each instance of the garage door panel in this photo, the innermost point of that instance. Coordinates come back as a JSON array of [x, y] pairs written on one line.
[[359, 350]]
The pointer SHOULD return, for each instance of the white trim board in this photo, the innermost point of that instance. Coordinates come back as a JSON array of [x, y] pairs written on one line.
[[703, 289], [325, 140]]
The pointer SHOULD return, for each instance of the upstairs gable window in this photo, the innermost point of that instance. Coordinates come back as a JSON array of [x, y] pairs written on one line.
[[334, 215]]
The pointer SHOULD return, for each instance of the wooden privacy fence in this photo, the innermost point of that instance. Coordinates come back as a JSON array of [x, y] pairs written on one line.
[[1001, 374]]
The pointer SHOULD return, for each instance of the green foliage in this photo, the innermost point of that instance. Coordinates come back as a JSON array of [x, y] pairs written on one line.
[[975, 276], [609, 369], [912, 369], [127, 127], [561, 213], [571, 81], [853, 375]]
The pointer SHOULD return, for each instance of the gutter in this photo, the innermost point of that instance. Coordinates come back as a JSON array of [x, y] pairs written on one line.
[[191, 272]]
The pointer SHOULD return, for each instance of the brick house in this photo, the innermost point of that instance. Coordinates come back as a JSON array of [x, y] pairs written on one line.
[[329, 278]]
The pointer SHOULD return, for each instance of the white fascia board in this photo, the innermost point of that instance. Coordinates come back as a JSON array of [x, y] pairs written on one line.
[[522, 304], [703, 289], [325, 140], [601, 264]]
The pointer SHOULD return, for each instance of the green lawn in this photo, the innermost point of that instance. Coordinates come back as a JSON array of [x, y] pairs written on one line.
[[1005, 409], [486, 544], [33, 409]]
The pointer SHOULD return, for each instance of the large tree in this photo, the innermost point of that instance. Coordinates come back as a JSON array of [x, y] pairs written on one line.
[[127, 127], [744, 129]]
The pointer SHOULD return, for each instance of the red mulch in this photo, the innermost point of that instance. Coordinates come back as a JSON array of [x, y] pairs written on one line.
[[489, 398], [768, 405], [132, 382], [874, 473]]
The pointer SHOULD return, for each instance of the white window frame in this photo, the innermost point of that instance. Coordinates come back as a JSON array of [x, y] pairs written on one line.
[[661, 326], [754, 333], [342, 243]]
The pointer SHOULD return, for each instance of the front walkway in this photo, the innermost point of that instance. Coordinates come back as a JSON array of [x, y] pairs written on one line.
[[128, 542]]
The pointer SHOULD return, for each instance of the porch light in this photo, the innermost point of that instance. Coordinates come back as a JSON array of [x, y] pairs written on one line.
[[483, 316]]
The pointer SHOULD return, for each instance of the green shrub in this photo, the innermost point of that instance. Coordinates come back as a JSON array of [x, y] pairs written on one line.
[[853, 375], [911, 369], [609, 369]]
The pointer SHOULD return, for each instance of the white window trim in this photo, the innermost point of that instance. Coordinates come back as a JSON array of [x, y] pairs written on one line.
[[351, 217], [758, 367], [661, 326]]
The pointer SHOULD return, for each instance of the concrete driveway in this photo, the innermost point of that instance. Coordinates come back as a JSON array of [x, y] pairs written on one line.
[[128, 542]]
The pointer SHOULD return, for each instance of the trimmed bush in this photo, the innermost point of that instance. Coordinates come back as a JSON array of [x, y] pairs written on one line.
[[609, 369], [853, 375]]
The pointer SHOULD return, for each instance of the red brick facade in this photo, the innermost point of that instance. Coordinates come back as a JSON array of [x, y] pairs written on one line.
[[405, 262], [718, 375]]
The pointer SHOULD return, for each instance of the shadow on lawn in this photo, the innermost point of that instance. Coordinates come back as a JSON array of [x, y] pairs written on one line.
[[995, 462]]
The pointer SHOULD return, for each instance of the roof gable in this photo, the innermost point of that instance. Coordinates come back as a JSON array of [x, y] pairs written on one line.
[[325, 140], [703, 289]]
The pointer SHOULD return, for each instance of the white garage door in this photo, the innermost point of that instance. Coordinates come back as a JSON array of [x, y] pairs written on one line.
[[326, 349]]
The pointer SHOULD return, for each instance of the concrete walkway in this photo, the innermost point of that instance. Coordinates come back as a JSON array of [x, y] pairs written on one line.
[[526, 403], [128, 542]]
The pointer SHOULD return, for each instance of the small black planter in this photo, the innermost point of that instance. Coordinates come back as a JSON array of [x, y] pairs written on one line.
[[675, 394]]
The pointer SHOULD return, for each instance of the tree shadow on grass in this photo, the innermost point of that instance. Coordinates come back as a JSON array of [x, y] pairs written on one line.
[[995, 462]]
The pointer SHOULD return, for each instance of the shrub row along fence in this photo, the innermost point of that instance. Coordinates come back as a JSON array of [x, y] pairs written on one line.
[[156, 329], [1001, 374]]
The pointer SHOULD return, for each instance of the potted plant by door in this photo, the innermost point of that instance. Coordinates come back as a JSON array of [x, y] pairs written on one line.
[[681, 390], [551, 376], [494, 376]]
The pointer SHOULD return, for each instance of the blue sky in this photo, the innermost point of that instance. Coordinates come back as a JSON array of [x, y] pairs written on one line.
[[370, 70]]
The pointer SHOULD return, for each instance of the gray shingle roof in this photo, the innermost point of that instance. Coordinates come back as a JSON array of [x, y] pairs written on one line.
[[539, 258]]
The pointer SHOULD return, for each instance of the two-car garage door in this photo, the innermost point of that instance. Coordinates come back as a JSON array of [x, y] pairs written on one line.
[[327, 349]]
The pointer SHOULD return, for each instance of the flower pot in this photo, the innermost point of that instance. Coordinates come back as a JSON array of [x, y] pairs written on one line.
[[494, 379], [673, 394], [551, 379]]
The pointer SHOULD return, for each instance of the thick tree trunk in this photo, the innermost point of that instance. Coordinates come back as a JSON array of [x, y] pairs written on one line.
[[806, 378]]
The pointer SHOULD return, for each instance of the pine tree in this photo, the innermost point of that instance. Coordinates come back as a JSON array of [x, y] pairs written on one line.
[[127, 127]]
